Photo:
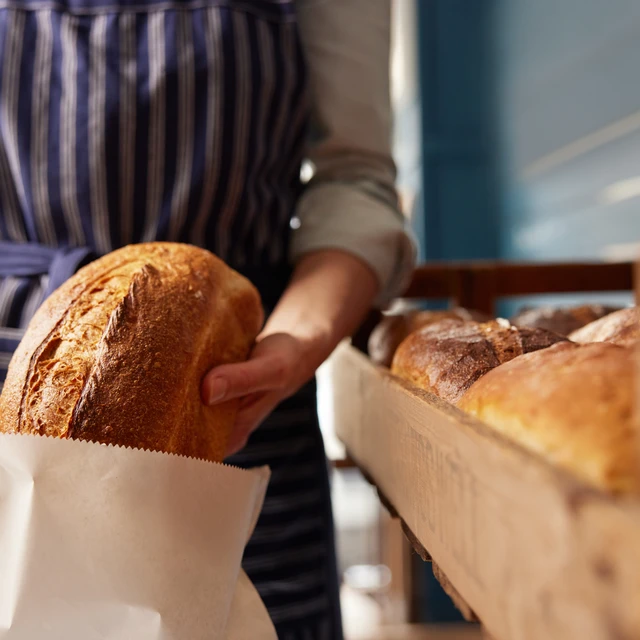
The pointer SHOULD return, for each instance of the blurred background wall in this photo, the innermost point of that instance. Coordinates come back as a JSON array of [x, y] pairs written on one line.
[[529, 117], [517, 136]]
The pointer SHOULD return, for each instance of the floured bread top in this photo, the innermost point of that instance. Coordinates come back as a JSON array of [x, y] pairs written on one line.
[[448, 357]]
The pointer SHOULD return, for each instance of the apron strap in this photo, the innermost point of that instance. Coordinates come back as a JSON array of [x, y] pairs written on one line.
[[30, 260]]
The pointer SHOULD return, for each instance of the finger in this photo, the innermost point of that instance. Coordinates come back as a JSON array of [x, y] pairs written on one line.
[[264, 373], [249, 419]]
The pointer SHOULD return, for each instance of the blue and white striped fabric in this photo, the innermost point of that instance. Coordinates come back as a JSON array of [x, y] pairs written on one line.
[[124, 121]]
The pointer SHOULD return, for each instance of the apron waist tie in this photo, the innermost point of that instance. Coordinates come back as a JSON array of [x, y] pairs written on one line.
[[29, 259]]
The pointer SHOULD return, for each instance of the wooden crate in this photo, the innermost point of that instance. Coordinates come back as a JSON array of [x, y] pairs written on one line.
[[528, 549], [480, 285]]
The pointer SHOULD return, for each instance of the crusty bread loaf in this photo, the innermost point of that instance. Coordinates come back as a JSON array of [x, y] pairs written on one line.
[[394, 328], [448, 357], [117, 354], [621, 328], [572, 404], [561, 320]]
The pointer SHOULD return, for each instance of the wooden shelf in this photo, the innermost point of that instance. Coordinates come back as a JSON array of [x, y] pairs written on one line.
[[527, 549], [478, 285]]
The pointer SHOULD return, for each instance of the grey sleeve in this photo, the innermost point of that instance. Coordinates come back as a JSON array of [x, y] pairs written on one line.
[[351, 203]]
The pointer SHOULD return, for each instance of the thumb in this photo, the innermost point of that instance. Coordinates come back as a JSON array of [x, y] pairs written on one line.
[[262, 373]]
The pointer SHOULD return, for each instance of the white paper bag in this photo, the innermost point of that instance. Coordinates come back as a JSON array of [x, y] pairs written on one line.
[[103, 543]]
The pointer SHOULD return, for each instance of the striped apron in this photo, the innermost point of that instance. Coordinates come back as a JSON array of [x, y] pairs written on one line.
[[124, 121]]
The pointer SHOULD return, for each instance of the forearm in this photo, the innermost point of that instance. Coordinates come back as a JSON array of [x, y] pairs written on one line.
[[330, 294]]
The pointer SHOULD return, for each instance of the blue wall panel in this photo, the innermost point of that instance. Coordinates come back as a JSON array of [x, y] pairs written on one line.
[[531, 135], [568, 87], [459, 153]]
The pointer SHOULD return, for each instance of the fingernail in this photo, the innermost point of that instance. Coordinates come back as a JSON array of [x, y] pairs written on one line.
[[217, 390]]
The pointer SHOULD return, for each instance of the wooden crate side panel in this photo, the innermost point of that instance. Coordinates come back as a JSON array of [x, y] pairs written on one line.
[[502, 526]]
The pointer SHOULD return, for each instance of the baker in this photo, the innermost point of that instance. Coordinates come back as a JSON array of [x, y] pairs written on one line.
[[124, 121]]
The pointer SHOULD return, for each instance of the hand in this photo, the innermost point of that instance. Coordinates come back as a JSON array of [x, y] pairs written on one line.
[[278, 366], [326, 300]]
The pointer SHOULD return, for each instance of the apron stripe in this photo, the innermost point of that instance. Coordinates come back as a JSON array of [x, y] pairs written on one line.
[[276, 562], [276, 450], [41, 126], [268, 99], [52, 185], [279, 161], [212, 125], [18, 299], [225, 134], [8, 288], [283, 519], [283, 534], [168, 176], [288, 486], [68, 113], [11, 333], [11, 226], [143, 160], [198, 139], [127, 124], [301, 583], [242, 106], [80, 120], [262, 77], [34, 299], [111, 141], [157, 98], [97, 157], [296, 136], [181, 190], [24, 131], [9, 104], [249, 59], [269, 547], [303, 608], [291, 501], [295, 472]]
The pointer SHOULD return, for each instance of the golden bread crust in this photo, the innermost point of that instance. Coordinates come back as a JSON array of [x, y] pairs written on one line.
[[621, 328], [572, 404], [117, 354]]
